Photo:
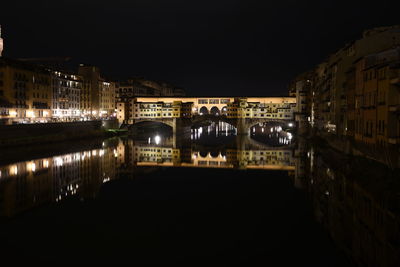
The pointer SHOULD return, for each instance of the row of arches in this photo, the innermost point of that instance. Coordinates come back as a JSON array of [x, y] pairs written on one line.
[[213, 111]]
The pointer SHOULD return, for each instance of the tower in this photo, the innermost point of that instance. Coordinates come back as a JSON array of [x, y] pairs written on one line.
[[1, 43]]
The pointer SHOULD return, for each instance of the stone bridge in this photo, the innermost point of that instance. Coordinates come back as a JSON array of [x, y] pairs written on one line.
[[241, 112]]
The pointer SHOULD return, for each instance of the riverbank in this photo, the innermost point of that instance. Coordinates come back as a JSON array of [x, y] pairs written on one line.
[[44, 133]]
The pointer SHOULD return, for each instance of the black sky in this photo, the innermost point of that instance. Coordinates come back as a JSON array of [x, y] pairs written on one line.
[[219, 47]]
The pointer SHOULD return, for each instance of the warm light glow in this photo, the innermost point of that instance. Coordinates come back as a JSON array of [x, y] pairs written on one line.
[[14, 170], [290, 124], [31, 166], [46, 163], [30, 113], [58, 161], [157, 139], [13, 113]]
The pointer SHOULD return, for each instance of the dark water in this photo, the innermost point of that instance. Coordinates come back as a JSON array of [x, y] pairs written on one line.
[[209, 198]]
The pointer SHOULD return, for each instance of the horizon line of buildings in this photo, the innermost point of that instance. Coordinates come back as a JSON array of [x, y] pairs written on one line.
[[31, 92], [38, 91], [354, 94]]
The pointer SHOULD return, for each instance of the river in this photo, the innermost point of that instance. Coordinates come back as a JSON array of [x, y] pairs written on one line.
[[209, 197]]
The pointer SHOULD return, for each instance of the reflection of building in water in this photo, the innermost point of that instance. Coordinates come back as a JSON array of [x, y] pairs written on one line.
[[360, 209], [155, 154], [279, 159], [25, 185], [29, 184], [262, 159]]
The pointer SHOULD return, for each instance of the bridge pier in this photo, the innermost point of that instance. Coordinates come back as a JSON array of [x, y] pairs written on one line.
[[242, 127]]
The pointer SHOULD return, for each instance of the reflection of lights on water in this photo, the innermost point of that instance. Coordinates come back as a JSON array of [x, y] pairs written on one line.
[[31, 166], [289, 136], [262, 129], [14, 170], [157, 139], [272, 129], [149, 141], [58, 161]]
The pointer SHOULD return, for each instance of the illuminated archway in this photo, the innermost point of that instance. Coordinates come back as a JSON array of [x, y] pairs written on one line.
[[224, 110]]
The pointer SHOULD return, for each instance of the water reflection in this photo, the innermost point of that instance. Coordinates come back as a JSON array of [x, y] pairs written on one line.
[[357, 201], [359, 206], [24, 185]]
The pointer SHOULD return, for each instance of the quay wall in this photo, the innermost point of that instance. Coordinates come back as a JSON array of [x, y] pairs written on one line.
[[25, 134]]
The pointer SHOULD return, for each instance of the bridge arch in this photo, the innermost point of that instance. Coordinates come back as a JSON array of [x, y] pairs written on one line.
[[214, 154], [203, 153], [146, 124], [224, 110], [215, 111], [203, 110]]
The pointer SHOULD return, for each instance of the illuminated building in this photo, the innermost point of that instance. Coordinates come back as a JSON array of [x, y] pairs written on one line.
[[354, 96], [279, 108], [25, 92], [127, 90], [85, 99], [66, 96], [99, 95], [269, 108], [301, 88], [107, 99], [331, 83]]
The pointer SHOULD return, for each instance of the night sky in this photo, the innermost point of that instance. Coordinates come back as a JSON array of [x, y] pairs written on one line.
[[219, 47]]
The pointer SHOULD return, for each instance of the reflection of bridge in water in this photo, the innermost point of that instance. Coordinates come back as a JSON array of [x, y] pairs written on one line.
[[245, 153], [49, 179]]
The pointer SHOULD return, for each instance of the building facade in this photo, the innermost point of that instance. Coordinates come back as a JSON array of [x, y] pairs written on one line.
[[354, 96], [25, 92], [140, 108], [99, 94], [66, 99]]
